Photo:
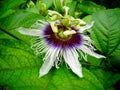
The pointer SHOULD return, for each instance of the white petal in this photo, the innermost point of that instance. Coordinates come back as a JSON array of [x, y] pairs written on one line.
[[89, 51], [71, 58], [87, 38], [89, 25], [49, 60], [39, 46], [39, 24], [29, 31]]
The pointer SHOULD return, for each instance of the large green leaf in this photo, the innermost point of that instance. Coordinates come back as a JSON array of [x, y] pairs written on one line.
[[18, 19], [19, 70], [9, 6], [107, 78], [106, 31]]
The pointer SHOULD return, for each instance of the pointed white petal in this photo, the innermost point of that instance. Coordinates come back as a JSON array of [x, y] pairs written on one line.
[[38, 45], [71, 58], [87, 38], [89, 51], [49, 60], [89, 25], [31, 32], [39, 24]]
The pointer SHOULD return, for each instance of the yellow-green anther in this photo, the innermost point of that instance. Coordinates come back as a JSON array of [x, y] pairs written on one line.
[[66, 22], [54, 17], [77, 27], [77, 21], [61, 34], [69, 32], [54, 27], [81, 22], [51, 13]]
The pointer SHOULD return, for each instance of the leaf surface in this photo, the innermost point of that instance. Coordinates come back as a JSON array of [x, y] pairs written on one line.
[[19, 69], [106, 31]]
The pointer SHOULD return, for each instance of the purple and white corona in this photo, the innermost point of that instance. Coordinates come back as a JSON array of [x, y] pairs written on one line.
[[61, 38]]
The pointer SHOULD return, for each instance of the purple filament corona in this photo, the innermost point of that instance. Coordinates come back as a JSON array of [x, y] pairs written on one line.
[[54, 40]]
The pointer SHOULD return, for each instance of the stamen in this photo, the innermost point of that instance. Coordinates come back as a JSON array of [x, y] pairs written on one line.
[[54, 27], [51, 13]]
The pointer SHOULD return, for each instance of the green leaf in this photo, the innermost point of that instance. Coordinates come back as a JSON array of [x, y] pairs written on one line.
[[72, 6], [19, 70], [107, 78], [89, 7], [16, 55], [106, 31], [19, 19], [87, 18], [64, 79], [115, 61], [93, 61], [48, 4], [9, 6]]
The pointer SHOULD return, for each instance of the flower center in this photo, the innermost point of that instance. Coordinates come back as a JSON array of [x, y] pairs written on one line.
[[64, 38]]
